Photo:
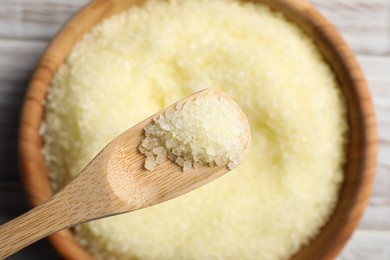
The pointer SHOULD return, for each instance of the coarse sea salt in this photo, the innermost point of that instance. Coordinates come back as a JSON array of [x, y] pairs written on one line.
[[208, 130]]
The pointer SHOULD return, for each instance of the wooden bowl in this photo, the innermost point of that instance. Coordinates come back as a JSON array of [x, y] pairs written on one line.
[[361, 151]]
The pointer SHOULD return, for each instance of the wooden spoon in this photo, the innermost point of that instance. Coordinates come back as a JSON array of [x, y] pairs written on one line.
[[114, 182]]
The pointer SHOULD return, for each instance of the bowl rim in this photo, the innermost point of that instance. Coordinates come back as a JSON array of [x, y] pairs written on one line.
[[306, 17]]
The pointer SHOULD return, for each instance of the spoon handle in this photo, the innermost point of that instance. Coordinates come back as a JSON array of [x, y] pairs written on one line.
[[81, 200], [35, 224]]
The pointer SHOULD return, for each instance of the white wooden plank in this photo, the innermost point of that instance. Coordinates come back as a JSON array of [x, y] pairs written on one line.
[[18, 58], [377, 214], [364, 24], [375, 67], [11, 96], [365, 244], [377, 70], [17, 61], [35, 19]]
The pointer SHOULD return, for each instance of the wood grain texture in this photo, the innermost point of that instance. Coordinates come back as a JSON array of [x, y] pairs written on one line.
[[26, 35], [368, 244], [17, 57], [27, 19], [358, 20]]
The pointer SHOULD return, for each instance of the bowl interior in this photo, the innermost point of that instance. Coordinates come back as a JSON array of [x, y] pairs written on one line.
[[361, 150]]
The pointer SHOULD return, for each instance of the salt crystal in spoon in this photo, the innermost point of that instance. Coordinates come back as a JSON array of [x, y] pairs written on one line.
[[115, 182]]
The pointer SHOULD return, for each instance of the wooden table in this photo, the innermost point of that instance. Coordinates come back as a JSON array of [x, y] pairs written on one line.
[[26, 26]]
